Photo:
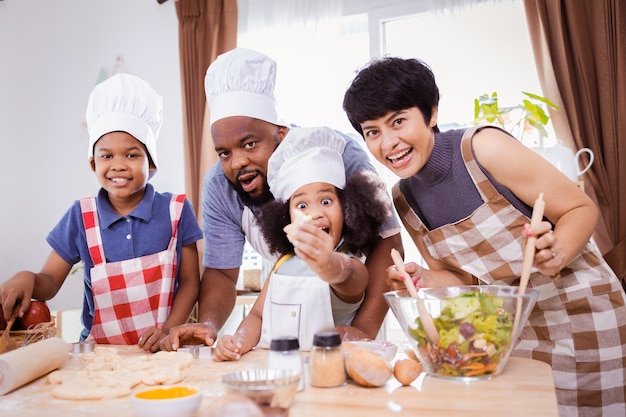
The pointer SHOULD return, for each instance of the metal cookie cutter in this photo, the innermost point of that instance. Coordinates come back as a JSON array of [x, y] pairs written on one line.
[[197, 351], [83, 347]]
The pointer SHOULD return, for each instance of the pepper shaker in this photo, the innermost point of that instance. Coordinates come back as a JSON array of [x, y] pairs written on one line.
[[285, 354]]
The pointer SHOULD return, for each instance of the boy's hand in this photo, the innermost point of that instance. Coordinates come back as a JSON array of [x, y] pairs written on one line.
[[149, 340], [17, 288]]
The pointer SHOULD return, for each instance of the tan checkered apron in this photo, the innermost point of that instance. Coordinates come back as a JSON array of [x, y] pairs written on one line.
[[133, 295], [578, 325]]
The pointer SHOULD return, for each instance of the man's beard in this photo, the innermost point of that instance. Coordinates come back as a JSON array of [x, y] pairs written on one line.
[[265, 196]]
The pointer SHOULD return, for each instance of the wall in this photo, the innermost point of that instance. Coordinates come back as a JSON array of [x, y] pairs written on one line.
[[51, 54]]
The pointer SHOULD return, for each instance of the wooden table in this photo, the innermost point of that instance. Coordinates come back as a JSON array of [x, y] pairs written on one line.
[[525, 388]]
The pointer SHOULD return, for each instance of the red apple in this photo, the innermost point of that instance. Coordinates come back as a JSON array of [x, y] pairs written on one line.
[[38, 312]]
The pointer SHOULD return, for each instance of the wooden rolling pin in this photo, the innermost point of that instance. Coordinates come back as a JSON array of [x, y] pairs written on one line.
[[23, 365]]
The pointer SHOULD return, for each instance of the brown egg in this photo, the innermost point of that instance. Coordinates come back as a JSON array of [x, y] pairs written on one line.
[[407, 370]]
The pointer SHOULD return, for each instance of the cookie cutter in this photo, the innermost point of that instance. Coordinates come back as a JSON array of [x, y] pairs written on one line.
[[83, 347], [197, 351]]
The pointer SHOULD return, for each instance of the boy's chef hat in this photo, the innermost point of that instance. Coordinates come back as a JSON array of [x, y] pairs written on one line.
[[241, 82], [306, 155], [125, 103]]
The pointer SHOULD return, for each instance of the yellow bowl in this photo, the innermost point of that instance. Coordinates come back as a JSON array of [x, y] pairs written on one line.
[[165, 401], [475, 326]]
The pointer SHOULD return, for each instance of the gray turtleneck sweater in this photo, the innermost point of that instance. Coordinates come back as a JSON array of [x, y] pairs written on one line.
[[443, 192]]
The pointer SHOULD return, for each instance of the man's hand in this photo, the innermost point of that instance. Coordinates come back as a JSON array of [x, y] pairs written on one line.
[[189, 334], [349, 333]]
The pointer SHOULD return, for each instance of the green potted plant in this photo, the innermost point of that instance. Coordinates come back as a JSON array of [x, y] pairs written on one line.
[[530, 114]]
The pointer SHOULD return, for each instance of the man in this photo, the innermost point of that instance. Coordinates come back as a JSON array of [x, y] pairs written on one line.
[[246, 130]]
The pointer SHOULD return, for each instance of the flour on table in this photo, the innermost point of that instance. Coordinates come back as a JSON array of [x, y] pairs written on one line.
[[106, 374]]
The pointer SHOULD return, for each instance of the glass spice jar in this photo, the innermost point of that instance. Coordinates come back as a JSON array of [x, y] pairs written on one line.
[[285, 354], [327, 363]]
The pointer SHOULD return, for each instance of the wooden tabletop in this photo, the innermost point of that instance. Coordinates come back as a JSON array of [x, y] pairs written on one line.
[[524, 388]]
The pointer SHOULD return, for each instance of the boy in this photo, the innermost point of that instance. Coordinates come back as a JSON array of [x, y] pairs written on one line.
[[137, 246]]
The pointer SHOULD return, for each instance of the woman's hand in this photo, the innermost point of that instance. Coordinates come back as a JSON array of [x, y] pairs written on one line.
[[549, 258], [396, 281], [425, 278]]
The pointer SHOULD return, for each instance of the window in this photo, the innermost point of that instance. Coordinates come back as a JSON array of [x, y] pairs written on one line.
[[472, 50]]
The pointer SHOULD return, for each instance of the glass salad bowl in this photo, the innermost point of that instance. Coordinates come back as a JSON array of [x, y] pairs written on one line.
[[475, 324]]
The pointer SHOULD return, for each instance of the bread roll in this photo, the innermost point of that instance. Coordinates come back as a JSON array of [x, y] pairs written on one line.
[[367, 368]]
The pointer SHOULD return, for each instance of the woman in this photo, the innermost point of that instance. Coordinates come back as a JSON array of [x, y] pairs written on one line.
[[466, 198]]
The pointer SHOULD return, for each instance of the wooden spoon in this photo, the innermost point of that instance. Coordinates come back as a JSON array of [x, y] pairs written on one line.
[[529, 255], [6, 343], [427, 321]]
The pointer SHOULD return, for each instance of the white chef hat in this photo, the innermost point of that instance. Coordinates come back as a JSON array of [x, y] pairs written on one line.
[[125, 103], [305, 156], [241, 82]]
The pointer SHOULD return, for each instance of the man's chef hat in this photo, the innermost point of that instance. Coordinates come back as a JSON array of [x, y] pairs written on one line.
[[305, 156], [125, 103], [241, 82]]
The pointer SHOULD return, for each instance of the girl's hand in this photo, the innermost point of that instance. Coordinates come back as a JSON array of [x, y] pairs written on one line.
[[314, 246], [228, 348], [549, 258]]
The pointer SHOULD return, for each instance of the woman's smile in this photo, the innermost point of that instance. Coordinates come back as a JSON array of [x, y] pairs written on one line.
[[400, 159]]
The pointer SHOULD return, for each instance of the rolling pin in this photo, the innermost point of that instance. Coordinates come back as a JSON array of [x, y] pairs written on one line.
[[23, 365]]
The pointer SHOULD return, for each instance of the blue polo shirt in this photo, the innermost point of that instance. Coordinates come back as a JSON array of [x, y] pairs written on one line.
[[145, 231]]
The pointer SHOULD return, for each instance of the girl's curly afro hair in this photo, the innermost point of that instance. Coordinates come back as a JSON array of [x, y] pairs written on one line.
[[365, 204]]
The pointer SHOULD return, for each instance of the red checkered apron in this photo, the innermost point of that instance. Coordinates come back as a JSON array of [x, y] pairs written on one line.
[[578, 325], [133, 295]]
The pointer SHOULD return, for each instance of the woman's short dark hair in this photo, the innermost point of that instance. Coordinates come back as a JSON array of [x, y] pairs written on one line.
[[390, 84], [365, 204]]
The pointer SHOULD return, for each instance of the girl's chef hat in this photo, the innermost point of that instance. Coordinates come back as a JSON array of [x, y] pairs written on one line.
[[125, 103], [305, 156], [241, 82]]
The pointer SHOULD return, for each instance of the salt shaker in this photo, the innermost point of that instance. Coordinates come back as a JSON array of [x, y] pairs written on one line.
[[327, 363], [285, 354]]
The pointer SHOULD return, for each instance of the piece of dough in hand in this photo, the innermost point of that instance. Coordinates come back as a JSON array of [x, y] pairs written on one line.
[[300, 218]]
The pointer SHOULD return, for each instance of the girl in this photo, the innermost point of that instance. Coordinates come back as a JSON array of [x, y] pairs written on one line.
[[319, 282]]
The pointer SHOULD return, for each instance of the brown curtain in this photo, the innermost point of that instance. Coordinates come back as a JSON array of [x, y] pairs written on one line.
[[207, 28], [580, 50]]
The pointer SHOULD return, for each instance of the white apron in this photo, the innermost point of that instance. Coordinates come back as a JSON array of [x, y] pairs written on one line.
[[295, 306]]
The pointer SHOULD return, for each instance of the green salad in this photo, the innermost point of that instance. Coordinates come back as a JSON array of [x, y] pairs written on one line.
[[474, 332]]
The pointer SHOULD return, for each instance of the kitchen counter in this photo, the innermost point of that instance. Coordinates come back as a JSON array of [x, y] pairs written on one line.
[[524, 388]]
